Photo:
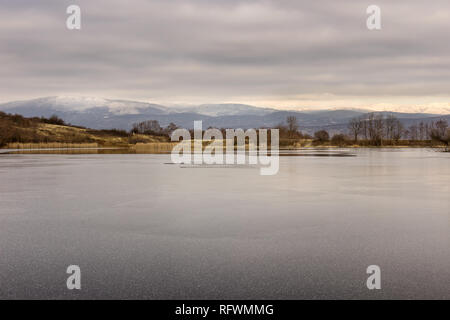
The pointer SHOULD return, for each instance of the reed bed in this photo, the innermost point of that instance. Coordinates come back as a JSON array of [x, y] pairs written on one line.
[[166, 147], [154, 147], [50, 145]]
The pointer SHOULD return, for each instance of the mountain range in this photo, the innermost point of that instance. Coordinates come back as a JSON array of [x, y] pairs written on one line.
[[99, 113]]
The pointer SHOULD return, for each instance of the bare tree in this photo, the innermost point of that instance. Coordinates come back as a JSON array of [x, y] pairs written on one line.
[[365, 127], [421, 131], [393, 127], [292, 125], [413, 132], [375, 128], [390, 124], [440, 132], [398, 131], [355, 127], [427, 132], [441, 127]]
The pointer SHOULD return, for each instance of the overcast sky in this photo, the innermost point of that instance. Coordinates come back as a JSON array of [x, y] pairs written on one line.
[[286, 54]]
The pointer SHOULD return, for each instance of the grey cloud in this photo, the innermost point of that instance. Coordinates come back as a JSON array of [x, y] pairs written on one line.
[[197, 50]]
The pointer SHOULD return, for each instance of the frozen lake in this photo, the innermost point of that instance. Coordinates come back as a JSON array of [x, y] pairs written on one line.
[[140, 228]]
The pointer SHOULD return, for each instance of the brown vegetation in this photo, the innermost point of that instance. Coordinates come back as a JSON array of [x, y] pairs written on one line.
[[370, 130], [377, 130], [19, 132]]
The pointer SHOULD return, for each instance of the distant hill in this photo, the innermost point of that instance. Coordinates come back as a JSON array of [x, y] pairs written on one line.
[[100, 113]]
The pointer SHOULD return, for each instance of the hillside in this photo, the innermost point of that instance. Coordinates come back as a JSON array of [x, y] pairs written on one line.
[[18, 129]]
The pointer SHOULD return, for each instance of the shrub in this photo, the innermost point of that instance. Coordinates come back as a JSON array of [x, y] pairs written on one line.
[[339, 140], [321, 136], [54, 119]]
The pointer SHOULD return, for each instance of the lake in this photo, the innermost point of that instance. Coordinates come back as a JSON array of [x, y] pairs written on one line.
[[140, 228]]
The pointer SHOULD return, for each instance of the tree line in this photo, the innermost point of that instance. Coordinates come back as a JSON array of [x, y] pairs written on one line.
[[373, 129], [378, 129]]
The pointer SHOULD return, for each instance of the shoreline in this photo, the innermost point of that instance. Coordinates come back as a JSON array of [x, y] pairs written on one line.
[[142, 150]]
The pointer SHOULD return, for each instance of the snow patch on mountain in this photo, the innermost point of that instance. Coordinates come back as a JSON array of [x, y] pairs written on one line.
[[84, 104], [225, 109]]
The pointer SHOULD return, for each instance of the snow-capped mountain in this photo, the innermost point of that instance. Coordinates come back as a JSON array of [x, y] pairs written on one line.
[[225, 109], [99, 113], [83, 104]]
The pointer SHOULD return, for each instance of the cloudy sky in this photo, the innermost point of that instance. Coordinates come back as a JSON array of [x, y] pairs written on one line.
[[281, 53]]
